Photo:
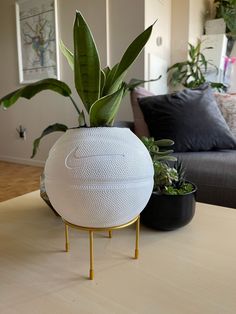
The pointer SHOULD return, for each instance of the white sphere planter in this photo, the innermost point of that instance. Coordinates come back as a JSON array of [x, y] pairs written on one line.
[[99, 177]]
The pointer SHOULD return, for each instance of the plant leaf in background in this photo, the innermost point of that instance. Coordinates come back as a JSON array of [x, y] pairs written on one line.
[[32, 89], [226, 9], [57, 127], [86, 63], [136, 82], [190, 73]]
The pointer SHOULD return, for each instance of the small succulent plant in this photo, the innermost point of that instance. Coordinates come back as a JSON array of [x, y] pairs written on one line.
[[168, 179]]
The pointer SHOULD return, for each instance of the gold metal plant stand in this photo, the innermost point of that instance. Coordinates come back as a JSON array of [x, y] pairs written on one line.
[[91, 230]]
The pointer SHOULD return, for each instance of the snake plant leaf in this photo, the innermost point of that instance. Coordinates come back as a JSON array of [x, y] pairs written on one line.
[[110, 87], [50, 129], [131, 54], [104, 76], [86, 63], [82, 121], [68, 54], [103, 111], [103, 81], [32, 89], [106, 71]]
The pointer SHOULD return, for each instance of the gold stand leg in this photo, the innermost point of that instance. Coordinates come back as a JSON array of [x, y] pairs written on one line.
[[137, 238], [91, 230], [91, 272], [67, 238]]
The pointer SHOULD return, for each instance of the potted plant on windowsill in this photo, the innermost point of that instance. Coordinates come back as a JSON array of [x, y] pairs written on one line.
[[226, 10], [191, 73], [172, 203], [93, 175]]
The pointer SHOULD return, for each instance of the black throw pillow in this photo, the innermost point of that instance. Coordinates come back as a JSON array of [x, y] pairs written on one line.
[[191, 118]]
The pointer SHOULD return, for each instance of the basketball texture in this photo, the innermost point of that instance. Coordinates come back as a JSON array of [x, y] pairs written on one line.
[[99, 177]]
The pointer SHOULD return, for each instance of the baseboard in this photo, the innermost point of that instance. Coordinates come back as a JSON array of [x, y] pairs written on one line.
[[24, 161]]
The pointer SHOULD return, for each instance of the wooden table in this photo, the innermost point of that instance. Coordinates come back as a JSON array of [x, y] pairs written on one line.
[[188, 271]]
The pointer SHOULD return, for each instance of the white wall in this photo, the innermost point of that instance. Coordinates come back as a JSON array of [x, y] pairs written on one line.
[[47, 107], [188, 18], [179, 30], [157, 56], [197, 16]]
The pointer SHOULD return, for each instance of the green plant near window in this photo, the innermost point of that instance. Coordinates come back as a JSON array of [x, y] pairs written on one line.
[[226, 9], [191, 73], [100, 90], [167, 180]]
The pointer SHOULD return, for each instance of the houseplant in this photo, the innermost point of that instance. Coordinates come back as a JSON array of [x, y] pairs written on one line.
[[100, 90], [172, 203], [226, 9], [191, 73], [92, 176]]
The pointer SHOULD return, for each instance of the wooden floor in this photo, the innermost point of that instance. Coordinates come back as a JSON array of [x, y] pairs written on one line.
[[16, 179]]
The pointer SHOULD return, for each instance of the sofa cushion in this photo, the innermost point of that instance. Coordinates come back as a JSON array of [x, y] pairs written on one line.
[[227, 105], [140, 126], [191, 118], [214, 174]]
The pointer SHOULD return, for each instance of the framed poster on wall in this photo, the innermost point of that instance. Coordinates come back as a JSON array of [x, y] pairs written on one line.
[[37, 42]]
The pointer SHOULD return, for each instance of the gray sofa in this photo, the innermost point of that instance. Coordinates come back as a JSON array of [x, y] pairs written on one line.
[[214, 172]]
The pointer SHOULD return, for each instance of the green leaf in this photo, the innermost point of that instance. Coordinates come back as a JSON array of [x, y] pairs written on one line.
[[32, 89], [136, 82], [106, 71], [128, 58], [68, 54], [109, 87], [166, 152], [50, 129], [87, 64], [167, 158], [219, 86], [103, 81], [133, 51], [103, 111], [82, 121], [177, 65], [164, 142]]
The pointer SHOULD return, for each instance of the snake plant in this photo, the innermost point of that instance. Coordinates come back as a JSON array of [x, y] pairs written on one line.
[[100, 90]]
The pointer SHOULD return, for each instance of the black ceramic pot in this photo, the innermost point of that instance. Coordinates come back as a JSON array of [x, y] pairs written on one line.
[[169, 212]]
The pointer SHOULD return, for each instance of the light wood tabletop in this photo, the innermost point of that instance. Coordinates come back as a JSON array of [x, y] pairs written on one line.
[[191, 270]]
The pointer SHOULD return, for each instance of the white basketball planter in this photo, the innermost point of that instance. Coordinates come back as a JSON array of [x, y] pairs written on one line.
[[99, 177]]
